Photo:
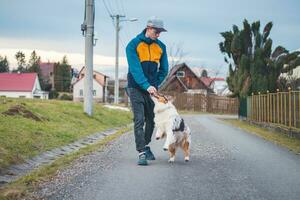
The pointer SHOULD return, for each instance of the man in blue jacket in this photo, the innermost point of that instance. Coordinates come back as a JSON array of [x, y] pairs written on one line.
[[148, 67]]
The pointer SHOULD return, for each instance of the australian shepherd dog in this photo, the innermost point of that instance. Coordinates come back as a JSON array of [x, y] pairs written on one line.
[[171, 126]]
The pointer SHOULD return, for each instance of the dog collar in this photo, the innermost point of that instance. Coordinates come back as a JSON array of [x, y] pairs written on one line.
[[160, 97]]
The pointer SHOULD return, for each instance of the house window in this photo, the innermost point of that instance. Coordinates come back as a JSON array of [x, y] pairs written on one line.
[[81, 93], [180, 74], [94, 92]]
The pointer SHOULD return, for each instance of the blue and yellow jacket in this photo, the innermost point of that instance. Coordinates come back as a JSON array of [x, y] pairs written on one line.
[[144, 55]]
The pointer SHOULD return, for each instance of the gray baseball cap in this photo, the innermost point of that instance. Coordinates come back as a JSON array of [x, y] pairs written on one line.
[[156, 23]]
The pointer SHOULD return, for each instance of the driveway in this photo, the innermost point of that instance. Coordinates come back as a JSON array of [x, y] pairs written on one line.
[[226, 163]]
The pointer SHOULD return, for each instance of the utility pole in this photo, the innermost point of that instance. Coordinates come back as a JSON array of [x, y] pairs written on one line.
[[88, 31], [116, 91], [116, 99]]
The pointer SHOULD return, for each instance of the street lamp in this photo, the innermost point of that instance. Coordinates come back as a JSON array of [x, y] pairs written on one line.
[[116, 99]]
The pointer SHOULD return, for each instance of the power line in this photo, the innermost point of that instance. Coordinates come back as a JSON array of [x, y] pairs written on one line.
[[109, 5], [118, 7], [105, 5], [122, 6]]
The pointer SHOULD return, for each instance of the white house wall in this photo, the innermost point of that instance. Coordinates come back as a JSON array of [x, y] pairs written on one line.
[[80, 85], [37, 85], [16, 94]]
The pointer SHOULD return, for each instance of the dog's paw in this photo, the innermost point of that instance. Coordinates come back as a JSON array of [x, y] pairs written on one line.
[[186, 159], [171, 160]]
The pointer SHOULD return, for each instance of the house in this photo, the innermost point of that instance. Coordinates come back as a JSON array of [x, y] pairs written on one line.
[[181, 79], [47, 73], [123, 98], [292, 77], [21, 85], [99, 86], [217, 84]]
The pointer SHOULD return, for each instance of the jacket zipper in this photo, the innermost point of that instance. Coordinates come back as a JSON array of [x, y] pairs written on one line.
[[149, 52]]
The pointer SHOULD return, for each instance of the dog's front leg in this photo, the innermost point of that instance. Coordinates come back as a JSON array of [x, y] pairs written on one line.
[[159, 134], [169, 140]]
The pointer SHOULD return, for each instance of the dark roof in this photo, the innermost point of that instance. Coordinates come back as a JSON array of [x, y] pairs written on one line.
[[172, 76], [176, 68], [170, 80]]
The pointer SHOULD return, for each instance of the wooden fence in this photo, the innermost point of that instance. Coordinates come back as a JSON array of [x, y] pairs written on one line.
[[281, 108], [202, 103]]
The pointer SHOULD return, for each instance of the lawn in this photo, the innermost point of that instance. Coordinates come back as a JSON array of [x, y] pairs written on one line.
[[29, 127]]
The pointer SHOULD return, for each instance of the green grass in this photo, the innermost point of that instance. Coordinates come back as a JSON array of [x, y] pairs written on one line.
[[63, 122], [24, 186], [282, 139]]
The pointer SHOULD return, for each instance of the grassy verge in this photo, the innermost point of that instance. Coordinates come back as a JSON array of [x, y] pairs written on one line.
[[41, 125], [291, 143], [24, 186]]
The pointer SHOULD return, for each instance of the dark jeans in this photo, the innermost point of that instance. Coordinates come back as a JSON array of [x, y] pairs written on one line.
[[142, 107]]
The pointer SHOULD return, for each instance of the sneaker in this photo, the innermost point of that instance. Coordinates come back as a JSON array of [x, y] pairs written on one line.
[[149, 154], [142, 159]]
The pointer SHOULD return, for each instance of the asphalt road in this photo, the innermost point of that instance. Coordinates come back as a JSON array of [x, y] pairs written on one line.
[[226, 163]]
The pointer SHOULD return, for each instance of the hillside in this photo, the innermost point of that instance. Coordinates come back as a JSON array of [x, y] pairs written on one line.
[[29, 127]]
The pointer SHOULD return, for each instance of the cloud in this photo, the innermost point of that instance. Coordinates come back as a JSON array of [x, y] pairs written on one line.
[[76, 59]]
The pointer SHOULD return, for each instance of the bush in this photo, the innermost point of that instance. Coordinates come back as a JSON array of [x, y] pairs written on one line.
[[53, 94], [66, 97]]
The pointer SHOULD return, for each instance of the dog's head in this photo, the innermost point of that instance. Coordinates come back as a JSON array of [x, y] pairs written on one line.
[[161, 102]]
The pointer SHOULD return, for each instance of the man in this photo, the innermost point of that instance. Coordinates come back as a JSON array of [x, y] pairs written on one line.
[[148, 67]]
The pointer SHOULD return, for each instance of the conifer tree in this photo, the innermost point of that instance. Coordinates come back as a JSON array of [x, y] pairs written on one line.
[[253, 67], [4, 65], [62, 75]]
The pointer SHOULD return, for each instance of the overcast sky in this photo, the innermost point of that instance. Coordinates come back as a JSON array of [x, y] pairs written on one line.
[[52, 27]]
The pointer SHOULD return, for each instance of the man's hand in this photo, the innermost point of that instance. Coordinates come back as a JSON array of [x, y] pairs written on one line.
[[151, 90]]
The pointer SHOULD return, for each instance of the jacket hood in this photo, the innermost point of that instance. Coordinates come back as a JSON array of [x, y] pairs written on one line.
[[142, 37]]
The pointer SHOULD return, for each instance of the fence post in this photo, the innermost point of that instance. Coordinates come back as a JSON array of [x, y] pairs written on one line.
[[277, 94], [294, 110], [268, 109], [290, 108], [259, 107], [252, 107]]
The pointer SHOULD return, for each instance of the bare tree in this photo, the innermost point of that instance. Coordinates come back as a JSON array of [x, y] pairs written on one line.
[[176, 54]]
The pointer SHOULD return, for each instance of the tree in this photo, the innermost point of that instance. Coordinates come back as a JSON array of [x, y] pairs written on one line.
[[34, 63], [34, 66], [20, 57], [252, 65], [176, 54], [62, 75], [204, 73], [4, 65]]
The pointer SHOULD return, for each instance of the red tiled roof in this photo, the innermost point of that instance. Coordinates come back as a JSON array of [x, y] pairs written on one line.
[[208, 80], [17, 82]]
